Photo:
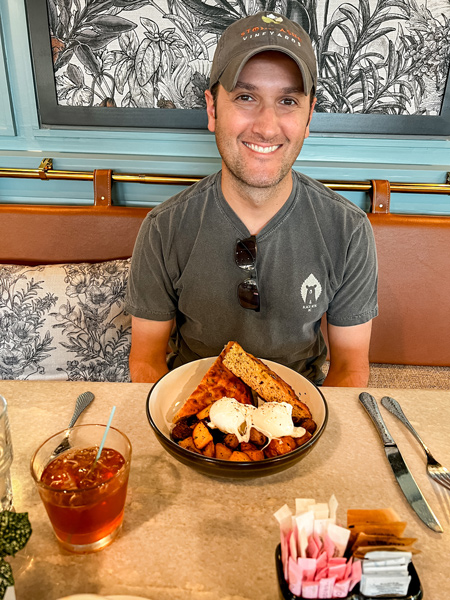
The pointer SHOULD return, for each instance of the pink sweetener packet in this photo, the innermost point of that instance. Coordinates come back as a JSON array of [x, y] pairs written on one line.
[[329, 546], [355, 576], [341, 588], [322, 574], [284, 553], [318, 540], [308, 566], [326, 587], [337, 560], [322, 561], [312, 549], [295, 577], [293, 544], [337, 571], [310, 589], [348, 569]]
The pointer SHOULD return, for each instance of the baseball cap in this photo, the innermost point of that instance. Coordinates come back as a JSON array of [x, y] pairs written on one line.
[[258, 33]]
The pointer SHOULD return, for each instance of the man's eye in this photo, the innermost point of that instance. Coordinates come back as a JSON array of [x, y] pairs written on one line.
[[244, 98], [289, 101]]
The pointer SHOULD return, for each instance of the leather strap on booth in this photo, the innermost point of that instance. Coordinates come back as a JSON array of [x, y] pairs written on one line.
[[381, 196], [102, 187]]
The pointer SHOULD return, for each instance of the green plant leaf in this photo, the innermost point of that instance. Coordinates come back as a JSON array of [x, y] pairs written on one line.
[[15, 531], [6, 577]]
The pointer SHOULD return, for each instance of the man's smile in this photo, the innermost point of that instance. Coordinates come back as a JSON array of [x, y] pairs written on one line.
[[262, 149]]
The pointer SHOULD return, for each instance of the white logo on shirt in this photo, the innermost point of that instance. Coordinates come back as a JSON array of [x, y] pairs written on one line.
[[310, 291]]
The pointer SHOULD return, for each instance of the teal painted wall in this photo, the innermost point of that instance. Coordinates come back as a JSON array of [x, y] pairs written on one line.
[[23, 145]]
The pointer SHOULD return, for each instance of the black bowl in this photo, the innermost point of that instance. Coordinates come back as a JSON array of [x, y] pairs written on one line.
[[169, 393], [414, 590]]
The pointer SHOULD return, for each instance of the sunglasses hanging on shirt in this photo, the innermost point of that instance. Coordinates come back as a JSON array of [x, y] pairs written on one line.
[[245, 257]]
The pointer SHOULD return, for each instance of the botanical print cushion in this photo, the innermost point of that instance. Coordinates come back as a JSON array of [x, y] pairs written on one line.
[[64, 322]]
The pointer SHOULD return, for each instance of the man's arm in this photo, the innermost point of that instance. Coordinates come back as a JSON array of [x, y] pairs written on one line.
[[349, 355], [149, 341]]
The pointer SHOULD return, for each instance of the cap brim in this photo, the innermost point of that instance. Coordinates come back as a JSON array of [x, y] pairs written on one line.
[[230, 75]]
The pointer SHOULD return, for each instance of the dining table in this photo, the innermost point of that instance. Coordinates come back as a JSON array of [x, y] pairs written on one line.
[[187, 536]]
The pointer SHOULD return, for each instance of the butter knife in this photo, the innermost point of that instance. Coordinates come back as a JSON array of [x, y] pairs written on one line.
[[404, 478]]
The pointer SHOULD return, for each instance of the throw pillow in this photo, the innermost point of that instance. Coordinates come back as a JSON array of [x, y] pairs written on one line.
[[65, 322]]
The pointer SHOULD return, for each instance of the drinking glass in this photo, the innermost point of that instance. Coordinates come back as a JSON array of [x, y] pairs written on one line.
[[84, 499], [6, 457]]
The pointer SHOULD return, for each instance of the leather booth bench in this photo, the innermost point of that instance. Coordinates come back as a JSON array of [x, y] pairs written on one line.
[[413, 326]]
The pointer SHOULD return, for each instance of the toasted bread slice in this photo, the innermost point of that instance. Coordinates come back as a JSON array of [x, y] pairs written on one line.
[[263, 380]]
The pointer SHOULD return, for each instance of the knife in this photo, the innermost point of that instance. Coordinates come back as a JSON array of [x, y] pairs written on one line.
[[399, 467]]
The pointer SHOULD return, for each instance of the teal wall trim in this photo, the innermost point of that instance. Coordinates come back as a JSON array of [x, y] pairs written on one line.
[[23, 145]]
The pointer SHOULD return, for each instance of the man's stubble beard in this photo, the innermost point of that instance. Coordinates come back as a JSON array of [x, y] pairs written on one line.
[[239, 174]]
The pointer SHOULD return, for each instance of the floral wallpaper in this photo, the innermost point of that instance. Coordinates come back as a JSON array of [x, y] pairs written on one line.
[[374, 56]]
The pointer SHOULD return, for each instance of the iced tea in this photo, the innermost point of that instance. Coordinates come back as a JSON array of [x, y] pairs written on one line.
[[85, 499]]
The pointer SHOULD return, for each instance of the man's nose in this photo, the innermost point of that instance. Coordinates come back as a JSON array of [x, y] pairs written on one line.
[[266, 122]]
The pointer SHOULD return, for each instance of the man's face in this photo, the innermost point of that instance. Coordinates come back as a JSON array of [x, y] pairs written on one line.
[[260, 126]]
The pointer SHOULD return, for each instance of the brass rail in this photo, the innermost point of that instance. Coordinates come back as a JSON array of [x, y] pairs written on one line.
[[46, 172]]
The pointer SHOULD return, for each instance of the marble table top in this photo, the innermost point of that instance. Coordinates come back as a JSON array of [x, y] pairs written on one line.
[[189, 537]]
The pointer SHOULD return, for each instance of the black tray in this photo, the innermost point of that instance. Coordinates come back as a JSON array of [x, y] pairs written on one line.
[[414, 590]]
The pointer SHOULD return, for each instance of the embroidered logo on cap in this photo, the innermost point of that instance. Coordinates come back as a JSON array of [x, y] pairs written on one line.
[[271, 18]]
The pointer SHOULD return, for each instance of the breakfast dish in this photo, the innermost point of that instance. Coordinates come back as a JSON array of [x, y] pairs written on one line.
[[219, 419]]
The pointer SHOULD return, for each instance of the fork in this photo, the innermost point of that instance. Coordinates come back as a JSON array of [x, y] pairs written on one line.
[[435, 470], [82, 402]]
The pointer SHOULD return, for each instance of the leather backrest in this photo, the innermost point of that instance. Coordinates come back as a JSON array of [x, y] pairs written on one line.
[[38, 234], [413, 326]]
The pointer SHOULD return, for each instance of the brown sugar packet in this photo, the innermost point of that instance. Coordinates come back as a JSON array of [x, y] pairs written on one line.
[[394, 528], [381, 541], [372, 517]]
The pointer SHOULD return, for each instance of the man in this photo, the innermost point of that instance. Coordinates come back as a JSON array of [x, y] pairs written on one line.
[[256, 253]]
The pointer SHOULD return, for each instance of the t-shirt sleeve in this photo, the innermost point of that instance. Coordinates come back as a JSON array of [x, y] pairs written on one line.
[[355, 300], [150, 294]]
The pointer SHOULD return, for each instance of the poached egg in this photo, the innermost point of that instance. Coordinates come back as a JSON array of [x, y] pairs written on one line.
[[273, 419]]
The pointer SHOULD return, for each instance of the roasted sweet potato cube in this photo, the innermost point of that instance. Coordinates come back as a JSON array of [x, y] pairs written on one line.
[[188, 443], [209, 450], [309, 425], [204, 414], [252, 451], [223, 451], [280, 446], [238, 456], [231, 441], [201, 435], [256, 437], [301, 440]]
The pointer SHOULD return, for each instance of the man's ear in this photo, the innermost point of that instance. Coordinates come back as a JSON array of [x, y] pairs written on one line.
[[210, 111]]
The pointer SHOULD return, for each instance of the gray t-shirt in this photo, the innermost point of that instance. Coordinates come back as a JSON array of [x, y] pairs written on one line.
[[316, 255]]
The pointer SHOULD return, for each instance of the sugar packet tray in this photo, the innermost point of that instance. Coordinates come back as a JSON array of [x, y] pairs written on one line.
[[414, 591]]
